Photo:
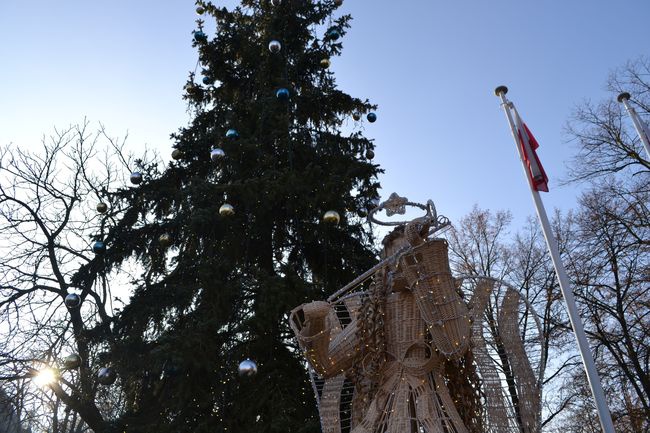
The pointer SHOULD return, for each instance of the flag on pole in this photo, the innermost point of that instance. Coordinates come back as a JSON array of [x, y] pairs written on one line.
[[528, 146]]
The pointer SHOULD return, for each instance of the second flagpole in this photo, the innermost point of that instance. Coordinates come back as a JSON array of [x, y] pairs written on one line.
[[576, 323], [624, 98]]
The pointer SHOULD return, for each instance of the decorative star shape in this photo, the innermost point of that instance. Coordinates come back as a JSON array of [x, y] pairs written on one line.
[[395, 205]]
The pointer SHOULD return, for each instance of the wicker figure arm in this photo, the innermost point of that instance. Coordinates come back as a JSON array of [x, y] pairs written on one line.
[[328, 349], [426, 270]]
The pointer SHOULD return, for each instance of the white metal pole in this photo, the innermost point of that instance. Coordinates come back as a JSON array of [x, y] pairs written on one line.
[[576, 323], [641, 129]]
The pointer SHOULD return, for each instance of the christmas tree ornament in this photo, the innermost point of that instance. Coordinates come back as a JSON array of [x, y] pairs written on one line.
[[282, 94], [338, 3], [325, 63], [72, 361], [247, 368], [102, 207], [372, 117], [177, 154], [216, 154], [356, 116], [106, 376], [232, 133], [275, 2], [72, 300], [333, 33], [136, 178], [226, 210], [200, 10], [199, 36], [99, 247], [165, 240], [275, 46], [207, 80], [370, 154], [332, 217]]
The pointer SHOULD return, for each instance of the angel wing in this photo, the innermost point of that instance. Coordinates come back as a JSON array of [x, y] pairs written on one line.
[[506, 341]]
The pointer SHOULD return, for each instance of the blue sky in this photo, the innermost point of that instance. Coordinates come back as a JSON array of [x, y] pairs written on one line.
[[430, 65]]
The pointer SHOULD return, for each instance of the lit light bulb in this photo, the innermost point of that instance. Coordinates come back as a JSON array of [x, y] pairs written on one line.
[[45, 377]]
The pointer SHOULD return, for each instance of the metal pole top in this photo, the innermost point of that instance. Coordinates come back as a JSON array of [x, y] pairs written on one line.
[[623, 97], [499, 90]]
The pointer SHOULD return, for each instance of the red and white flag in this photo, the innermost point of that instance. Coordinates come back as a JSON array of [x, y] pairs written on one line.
[[528, 145]]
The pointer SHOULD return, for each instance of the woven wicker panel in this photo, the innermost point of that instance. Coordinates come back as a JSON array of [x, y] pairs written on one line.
[[499, 411], [527, 392], [330, 404], [426, 269]]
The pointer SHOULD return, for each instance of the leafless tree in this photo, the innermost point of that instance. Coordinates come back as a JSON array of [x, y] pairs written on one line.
[[48, 222], [606, 142], [481, 244], [611, 270]]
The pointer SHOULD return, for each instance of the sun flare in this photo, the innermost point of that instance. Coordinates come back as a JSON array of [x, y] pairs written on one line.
[[45, 377]]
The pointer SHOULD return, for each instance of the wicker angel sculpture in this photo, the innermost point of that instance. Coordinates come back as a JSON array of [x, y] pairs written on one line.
[[399, 350]]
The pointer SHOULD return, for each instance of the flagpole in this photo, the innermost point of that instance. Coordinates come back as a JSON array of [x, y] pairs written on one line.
[[638, 124], [576, 323]]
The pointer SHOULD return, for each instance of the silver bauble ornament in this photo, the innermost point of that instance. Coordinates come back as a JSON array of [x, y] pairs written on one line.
[[200, 10], [165, 240], [275, 46], [106, 376], [136, 178], [226, 210], [216, 154], [247, 368], [177, 154], [102, 207], [332, 217], [72, 300], [72, 361], [370, 154]]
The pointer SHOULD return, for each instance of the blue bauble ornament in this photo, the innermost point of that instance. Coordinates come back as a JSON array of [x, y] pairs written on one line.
[[199, 36], [206, 80], [106, 376], [99, 247], [72, 300], [232, 134], [372, 117], [333, 33], [282, 94], [247, 368], [136, 178]]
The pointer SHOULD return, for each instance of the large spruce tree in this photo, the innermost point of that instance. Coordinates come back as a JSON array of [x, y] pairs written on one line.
[[274, 138]]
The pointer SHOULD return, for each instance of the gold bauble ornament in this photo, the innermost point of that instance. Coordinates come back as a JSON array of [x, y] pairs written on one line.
[[72, 361], [325, 63], [165, 240], [356, 116], [332, 217], [226, 210], [200, 10], [177, 154]]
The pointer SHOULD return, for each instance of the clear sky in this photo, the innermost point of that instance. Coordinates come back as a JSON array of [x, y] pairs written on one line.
[[431, 66]]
